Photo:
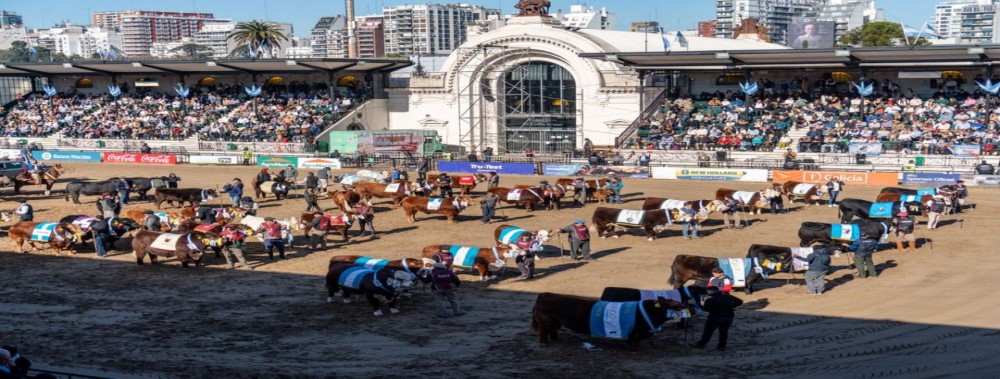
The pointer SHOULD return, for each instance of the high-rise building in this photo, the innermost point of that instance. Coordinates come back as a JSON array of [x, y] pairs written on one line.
[[71, 40], [845, 15], [645, 27], [947, 20], [328, 37], [8, 18], [706, 28], [429, 29], [775, 15], [587, 17], [141, 28], [978, 22], [216, 37], [369, 32]]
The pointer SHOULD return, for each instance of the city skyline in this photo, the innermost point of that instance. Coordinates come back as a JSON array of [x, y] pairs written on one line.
[[305, 13]]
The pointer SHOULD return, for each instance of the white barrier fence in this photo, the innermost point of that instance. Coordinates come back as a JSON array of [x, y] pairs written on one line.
[[213, 159]]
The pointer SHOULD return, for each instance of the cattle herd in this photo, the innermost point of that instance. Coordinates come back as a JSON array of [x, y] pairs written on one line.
[[181, 235]]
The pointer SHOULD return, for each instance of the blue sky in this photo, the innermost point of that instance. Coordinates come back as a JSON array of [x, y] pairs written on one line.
[[672, 14]]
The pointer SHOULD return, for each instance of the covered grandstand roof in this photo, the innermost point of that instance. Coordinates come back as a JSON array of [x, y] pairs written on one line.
[[897, 57], [212, 67]]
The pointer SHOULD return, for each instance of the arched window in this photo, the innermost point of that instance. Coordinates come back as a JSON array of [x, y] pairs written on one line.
[[540, 104], [84, 82]]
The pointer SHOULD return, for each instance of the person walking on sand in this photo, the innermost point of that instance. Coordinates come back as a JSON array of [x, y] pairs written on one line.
[[721, 311]]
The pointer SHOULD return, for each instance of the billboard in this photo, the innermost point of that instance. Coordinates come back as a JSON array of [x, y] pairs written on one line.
[[929, 180], [213, 159], [499, 168], [139, 158], [273, 161], [965, 151], [66, 156], [869, 149], [562, 169], [385, 143], [821, 177], [810, 34], [319, 163], [728, 174]]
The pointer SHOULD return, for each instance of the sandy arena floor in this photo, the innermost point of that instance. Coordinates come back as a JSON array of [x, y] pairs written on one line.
[[930, 313]]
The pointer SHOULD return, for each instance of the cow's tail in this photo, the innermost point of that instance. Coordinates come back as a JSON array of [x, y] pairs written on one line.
[[673, 273], [535, 327]]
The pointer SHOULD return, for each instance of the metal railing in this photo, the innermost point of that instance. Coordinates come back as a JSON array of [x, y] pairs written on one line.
[[258, 147], [634, 126]]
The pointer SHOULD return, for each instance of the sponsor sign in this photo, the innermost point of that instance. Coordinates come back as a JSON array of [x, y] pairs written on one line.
[[560, 169], [869, 149], [67, 156], [728, 174], [213, 159], [929, 179], [821, 177], [500, 168], [139, 158], [965, 151], [982, 180], [319, 163], [272, 161], [13, 154]]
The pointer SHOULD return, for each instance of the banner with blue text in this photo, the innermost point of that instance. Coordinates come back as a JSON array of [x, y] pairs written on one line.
[[499, 168]]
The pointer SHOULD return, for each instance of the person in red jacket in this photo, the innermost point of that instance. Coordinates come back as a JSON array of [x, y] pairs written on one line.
[[271, 230], [720, 280]]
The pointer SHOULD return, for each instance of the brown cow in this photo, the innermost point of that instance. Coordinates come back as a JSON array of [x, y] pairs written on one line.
[[505, 235], [139, 215], [338, 224], [476, 258], [703, 207], [188, 247], [528, 197], [552, 195], [449, 206], [368, 190], [754, 200], [651, 222], [345, 200], [691, 267], [807, 191], [592, 185], [181, 195], [553, 311], [61, 236], [464, 183]]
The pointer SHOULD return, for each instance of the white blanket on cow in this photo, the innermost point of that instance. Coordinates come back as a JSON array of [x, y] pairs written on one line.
[[166, 241], [801, 252], [514, 195], [434, 203], [743, 196], [802, 189], [672, 204], [84, 222], [674, 295], [392, 187], [630, 217]]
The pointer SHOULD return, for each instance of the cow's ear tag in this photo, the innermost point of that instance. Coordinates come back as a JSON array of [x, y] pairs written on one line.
[[657, 305]]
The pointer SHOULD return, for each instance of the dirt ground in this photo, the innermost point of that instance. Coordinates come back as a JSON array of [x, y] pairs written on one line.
[[930, 313]]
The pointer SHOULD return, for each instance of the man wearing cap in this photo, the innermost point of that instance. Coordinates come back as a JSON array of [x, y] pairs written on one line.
[[721, 281], [444, 185], [235, 191], [721, 310], [579, 192], [773, 196], [493, 181], [819, 265], [24, 211], [690, 220], [729, 209], [263, 176], [489, 206], [444, 282], [863, 249], [904, 224], [271, 231], [525, 258], [122, 186], [309, 196], [172, 180], [317, 236], [935, 207], [579, 239], [151, 222], [961, 192], [290, 174]]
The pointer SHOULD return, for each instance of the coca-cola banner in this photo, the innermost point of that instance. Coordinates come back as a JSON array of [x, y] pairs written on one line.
[[140, 158]]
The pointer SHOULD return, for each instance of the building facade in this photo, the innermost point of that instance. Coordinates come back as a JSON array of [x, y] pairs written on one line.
[[8, 18], [978, 23], [587, 17], [370, 34], [429, 29], [706, 28], [140, 29], [775, 15], [80, 41], [215, 36], [644, 27]]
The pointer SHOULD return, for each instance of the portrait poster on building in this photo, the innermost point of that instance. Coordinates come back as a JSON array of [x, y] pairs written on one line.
[[391, 143], [805, 34]]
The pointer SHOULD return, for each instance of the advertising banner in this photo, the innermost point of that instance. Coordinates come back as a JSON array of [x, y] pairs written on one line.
[[929, 179], [12, 154], [382, 143], [965, 151], [319, 163], [982, 180], [821, 177], [811, 34], [272, 161], [213, 159], [67, 156], [729, 174], [562, 169], [500, 168], [139, 158], [869, 149]]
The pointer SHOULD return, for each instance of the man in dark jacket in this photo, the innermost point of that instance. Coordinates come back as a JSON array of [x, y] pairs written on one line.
[[445, 283], [311, 181], [102, 233], [489, 206], [151, 222], [25, 212], [579, 239], [205, 214], [819, 265], [108, 207], [721, 310], [172, 180], [863, 249], [122, 186], [984, 168]]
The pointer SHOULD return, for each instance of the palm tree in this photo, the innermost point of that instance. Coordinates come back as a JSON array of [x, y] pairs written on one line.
[[258, 37]]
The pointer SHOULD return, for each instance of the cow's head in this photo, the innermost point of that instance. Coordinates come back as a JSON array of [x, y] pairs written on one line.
[[400, 280], [543, 235], [713, 206], [211, 192], [466, 201], [5, 216], [126, 224], [71, 232], [762, 201], [669, 305]]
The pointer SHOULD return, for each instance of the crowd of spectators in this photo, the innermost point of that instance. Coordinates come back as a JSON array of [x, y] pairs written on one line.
[[288, 113]]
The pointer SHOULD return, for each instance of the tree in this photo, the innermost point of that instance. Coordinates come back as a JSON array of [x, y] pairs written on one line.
[[879, 33], [258, 37], [192, 50]]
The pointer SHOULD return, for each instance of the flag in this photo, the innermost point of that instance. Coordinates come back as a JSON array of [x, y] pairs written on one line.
[[928, 32], [112, 54], [681, 41], [32, 51], [666, 41]]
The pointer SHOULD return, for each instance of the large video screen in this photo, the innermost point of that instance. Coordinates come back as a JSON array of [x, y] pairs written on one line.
[[810, 34]]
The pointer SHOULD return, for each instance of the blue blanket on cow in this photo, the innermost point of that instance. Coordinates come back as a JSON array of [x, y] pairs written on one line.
[[849, 232], [736, 269], [371, 263], [43, 231], [926, 191], [613, 320], [880, 210], [510, 234], [464, 256], [353, 277]]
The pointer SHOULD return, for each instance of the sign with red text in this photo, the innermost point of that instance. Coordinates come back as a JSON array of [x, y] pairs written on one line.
[[139, 158]]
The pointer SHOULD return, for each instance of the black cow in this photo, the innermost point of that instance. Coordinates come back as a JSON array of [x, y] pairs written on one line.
[[383, 283], [771, 259], [849, 208], [119, 226], [76, 188], [690, 295], [180, 195], [141, 186], [652, 222], [554, 311], [814, 232]]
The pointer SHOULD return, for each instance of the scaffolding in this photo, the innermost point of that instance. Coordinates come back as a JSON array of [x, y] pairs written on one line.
[[479, 77]]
